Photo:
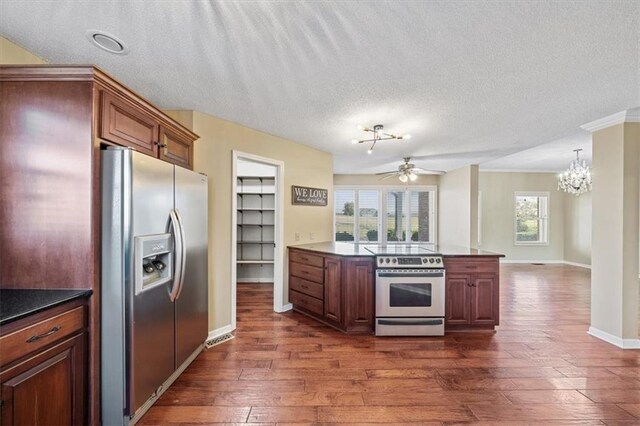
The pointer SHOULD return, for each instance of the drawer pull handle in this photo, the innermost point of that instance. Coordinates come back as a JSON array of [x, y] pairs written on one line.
[[470, 267], [42, 336], [306, 259], [305, 272]]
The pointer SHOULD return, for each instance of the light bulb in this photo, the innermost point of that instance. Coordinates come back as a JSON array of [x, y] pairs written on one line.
[[407, 136], [413, 176], [359, 127], [369, 151], [403, 178], [354, 141]]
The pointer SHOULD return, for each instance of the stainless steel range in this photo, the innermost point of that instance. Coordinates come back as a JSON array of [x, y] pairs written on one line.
[[410, 290]]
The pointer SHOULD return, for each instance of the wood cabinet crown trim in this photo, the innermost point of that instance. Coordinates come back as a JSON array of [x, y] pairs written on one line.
[[94, 74]]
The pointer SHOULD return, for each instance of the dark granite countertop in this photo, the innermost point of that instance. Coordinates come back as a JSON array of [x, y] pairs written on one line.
[[354, 249], [19, 303]]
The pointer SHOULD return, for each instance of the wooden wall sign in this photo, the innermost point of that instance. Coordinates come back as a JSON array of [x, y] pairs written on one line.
[[304, 196]]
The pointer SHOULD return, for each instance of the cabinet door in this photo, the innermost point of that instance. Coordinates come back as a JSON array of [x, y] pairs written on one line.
[[458, 299], [176, 149], [359, 302], [483, 299], [332, 289], [126, 125], [48, 388]]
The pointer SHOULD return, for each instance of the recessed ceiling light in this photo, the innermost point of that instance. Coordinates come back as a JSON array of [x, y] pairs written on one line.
[[108, 42]]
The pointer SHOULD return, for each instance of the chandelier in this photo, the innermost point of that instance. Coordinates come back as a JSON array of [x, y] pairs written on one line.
[[577, 178], [378, 135]]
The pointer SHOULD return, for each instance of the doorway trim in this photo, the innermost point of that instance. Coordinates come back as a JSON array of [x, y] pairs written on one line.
[[278, 252]]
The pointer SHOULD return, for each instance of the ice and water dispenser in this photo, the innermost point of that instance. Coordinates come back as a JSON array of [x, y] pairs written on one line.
[[153, 257]]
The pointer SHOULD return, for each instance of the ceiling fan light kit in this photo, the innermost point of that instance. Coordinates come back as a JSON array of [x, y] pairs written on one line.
[[408, 172], [378, 135]]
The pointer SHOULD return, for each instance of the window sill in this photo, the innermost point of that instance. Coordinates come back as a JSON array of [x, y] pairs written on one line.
[[533, 243]]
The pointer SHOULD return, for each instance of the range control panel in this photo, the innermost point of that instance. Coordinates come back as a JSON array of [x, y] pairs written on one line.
[[412, 262]]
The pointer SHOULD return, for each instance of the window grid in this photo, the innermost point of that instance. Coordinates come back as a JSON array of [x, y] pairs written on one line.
[[531, 223], [416, 208]]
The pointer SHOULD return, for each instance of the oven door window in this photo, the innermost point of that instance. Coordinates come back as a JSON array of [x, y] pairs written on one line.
[[410, 295]]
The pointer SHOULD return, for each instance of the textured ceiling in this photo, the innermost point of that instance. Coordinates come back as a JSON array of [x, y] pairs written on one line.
[[471, 81]]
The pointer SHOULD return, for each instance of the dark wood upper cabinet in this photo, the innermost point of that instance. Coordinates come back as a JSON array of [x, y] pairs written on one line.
[[128, 125], [125, 123], [332, 289], [175, 148]]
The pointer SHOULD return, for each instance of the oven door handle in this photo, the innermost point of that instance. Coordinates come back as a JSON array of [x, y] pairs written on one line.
[[426, 321], [409, 274]]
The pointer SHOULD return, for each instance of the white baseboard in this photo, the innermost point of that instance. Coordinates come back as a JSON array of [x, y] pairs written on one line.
[[220, 331], [287, 307], [615, 340], [256, 280], [550, 262], [579, 265]]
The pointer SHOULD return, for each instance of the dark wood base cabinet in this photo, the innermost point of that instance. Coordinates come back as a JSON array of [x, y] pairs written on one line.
[[472, 293], [336, 290], [44, 368]]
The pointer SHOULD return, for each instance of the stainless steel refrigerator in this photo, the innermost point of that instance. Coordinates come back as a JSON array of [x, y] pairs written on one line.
[[154, 279]]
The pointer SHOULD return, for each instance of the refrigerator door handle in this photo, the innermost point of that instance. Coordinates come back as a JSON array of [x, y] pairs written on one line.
[[179, 250], [183, 252]]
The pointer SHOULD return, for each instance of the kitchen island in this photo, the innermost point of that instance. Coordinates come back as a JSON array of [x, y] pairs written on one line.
[[333, 282]]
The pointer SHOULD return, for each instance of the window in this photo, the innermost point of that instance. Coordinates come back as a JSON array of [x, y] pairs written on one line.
[[394, 215], [344, 215], [531, 218]]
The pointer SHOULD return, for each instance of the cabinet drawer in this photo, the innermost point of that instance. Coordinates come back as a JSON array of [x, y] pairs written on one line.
[[311, 273], [470, 266], [35, 336], [307, 287], [124, 124], [307, 302], [307, 259]]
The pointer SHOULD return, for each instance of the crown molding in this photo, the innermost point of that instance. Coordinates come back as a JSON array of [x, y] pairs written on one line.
[[627, 116], [518, 171]]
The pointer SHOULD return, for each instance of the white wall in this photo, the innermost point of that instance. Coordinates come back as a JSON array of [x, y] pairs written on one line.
[[458, 207], [577, 228], [498, 214]]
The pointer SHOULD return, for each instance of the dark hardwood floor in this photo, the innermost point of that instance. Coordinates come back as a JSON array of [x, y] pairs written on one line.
[[540, 367]]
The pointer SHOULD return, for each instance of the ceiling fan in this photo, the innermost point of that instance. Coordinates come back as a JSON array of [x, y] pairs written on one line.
[[408, 172]]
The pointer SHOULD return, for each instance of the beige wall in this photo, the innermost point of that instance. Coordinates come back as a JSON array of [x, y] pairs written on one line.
[[213, 155], [458, 207], [498, 215], [577, 228], [614, 274], [11, 53]]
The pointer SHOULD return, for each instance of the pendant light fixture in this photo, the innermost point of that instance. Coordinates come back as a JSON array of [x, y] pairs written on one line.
[[378, 135], [577, 178]]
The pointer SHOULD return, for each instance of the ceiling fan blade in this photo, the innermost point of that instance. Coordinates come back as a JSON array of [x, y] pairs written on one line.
[[388, 176], [421, 171], [387, 173]]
